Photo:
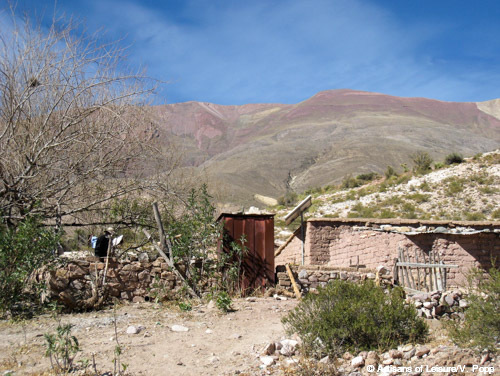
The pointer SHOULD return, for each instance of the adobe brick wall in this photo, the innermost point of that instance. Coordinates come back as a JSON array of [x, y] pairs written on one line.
[[338, 244]]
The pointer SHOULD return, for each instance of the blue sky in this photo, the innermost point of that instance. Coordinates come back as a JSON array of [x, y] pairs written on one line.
[[256, 51]]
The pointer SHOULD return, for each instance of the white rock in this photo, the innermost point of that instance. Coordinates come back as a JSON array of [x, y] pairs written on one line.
[[288, 347], [428, 305], [325, 360], [290, 342], [291, 361], [133, 329], [209, 331], [267, 360], [179, 328], [213, 359], [358, 362], [406, 347], [144, 257], [303, 274]]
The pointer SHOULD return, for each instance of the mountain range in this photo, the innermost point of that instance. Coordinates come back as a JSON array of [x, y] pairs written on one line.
[[265, 149]]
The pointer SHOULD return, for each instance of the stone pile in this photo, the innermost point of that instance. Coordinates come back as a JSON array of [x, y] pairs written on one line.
[[274, 351], [407, 359], [437, 304], [414, 360]]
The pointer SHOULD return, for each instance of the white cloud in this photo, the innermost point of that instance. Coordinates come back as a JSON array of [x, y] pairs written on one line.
[[272, 51]]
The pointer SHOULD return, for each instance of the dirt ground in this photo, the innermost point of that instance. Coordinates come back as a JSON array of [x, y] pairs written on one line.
[[216, 343]]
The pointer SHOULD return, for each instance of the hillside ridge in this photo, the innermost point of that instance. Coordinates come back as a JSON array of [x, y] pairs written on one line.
[[266, 149]]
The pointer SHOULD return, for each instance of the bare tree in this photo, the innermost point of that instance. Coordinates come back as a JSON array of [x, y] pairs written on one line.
[[68, 115]]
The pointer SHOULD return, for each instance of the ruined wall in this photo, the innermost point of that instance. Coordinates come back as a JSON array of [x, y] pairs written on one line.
[[340, 245]]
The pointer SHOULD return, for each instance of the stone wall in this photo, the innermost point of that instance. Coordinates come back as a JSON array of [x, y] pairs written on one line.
[[74, 281], [342, 243], [310, 277]]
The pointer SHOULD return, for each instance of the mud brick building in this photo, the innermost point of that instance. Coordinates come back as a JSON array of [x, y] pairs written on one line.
[[365, 244]]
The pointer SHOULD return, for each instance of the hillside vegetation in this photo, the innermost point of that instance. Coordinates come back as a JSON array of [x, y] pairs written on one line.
[[469, 190]]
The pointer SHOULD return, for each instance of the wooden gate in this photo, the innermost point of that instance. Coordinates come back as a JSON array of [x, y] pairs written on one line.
[[420, 273]]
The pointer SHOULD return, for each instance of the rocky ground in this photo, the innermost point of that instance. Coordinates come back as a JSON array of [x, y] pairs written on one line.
[[159, 340], [163, 340]]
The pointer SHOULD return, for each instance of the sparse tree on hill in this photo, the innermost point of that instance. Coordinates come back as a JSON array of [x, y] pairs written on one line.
[[422, 162]]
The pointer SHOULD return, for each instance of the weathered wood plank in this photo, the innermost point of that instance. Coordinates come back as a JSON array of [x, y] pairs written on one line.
[[421, 265]]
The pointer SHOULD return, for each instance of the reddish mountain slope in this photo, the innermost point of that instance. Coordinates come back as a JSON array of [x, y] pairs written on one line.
[[252, 148]]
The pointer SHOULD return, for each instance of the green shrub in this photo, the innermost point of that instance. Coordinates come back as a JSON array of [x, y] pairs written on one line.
[[488, 190], [403, 179], [361, 211], [474, 216], [425, 187], [23, 249], [223, 301], [455, 186], [389, 172], [185, 306], [409, 210], [422, 162], [382, 187], [353, 317], [418, 197], [387, 213], [369, 176], [482, 178], [350, 182], [453, 158], [289, 199], [351, 195], [61, 348], [194, 234], [481, 327]]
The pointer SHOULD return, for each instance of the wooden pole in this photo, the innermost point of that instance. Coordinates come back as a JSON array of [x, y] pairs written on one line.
[[303, 236], [164, 240], [171, 264], [110, 244], [295, 287]]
